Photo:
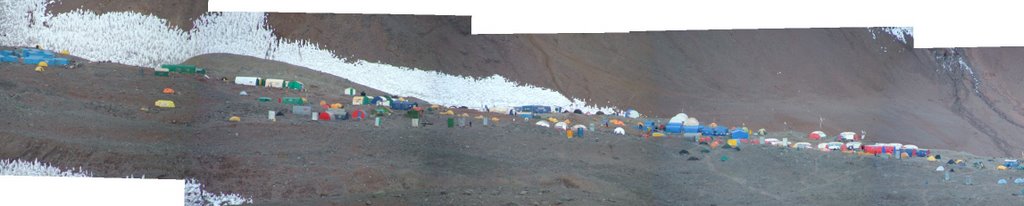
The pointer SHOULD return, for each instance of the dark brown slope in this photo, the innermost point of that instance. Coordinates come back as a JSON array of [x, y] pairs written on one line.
[[777, 79]]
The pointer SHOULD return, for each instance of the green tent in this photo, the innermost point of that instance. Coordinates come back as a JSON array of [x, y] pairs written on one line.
[[264, 99], [293, 100], [295, 85], [349, 91], [382, 111], [180, 68]]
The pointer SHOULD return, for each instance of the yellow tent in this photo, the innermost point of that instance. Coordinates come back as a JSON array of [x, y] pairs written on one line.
[[732, 142], [495, 119], [165, 103], [322, 102], [434, 106], [65, 52], [449, 112], [357, 100], [337, 106], [658, 134], [552, 119], [931, 158], [234, 119], [1001, 167], [464, 115], [43, 64], [568, 122]]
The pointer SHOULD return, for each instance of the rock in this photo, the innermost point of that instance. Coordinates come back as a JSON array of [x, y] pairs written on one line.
[[369, 202], [684, 152], [524, 192], [567, 199], [467, 192]]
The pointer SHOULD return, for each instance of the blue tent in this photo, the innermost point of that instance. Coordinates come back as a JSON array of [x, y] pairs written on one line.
[[535, 109], [378, 99], [402, 105], [691, 129], [721, 131], [740, 134]]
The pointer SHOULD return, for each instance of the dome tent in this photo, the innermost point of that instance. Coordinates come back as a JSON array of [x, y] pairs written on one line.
[[675, 124], [619, 130], [543, 123], [562, 125], [816, 135]]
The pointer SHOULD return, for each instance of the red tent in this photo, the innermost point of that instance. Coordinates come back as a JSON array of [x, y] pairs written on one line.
[[358, 114], [816, 135], [325, 116], [873, 149]]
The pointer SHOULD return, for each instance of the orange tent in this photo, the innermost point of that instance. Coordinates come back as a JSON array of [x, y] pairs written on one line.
[[617, 122], [168, 90]]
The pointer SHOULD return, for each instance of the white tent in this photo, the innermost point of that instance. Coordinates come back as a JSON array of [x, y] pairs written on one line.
[[691, 122], [909, 146], [802, 145], [562, 125], [243, 93], [847, 135], [578, 126], [275, 83], [940, 168], [251, 81], [632, 114], [349, 91], [543, 123], [619, 130], [679, 118], [853, 145], [823, 146]]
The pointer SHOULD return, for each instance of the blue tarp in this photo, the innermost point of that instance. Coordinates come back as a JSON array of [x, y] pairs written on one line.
[[402, 105], [35, 52], [8, 58], [721, 131], [674, 128], [525, 115], [34, 60], [692, 129], [740, 134], [535, 109], [7, 52]]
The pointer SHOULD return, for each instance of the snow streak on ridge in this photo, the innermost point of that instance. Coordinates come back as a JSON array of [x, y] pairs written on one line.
[[194, 193], [143, 40]]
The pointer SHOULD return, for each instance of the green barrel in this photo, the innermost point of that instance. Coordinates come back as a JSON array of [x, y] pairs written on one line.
[[451, 122]]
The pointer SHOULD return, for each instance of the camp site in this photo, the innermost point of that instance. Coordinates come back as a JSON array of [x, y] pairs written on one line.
[[410, 110]]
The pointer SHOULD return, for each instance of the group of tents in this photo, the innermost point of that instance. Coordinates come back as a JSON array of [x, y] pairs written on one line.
[[39, 57], [266, 82]]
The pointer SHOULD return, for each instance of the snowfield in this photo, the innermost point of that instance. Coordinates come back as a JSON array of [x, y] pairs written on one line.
[[194, 193], [144, 40]]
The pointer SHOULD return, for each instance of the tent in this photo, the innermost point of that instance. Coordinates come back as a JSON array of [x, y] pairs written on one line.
[[357, 100], [338, 114], [619, 130], [294, 85], [834, 145], [617, 122], [675, 124], [325, 116], [293, 100], [632, 113], [243, 93], [275, 83], [337, 106], [740, 133], [168, 90], [577, 111], [543, 123], [302, 110], [358, 114], [164, 103], [853, 145], [349, 91], [578, 126], [561, 125], [534, 109], [823, 146], [848, 136], [251, 81], [381, 101], [816, 135], [802, 145], [402, 105]]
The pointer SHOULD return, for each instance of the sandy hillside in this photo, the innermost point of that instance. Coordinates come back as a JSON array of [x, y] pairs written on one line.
[[297, 161]]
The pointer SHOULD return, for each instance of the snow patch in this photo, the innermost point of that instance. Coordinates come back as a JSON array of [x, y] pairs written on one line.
[[144, 40], [194, 193], [900, 33]]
